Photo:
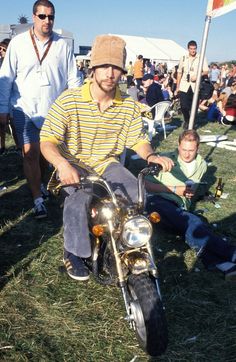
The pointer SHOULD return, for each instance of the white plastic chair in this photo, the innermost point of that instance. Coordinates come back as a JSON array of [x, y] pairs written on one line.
[[158, 123], [149, 124], [159, 119], [160, 110]]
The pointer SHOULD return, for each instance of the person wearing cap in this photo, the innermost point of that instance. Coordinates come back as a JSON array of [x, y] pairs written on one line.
[[153, 91], [86, 131], [39, 65]]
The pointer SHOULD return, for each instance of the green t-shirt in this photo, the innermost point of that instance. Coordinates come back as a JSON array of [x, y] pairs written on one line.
[[180, 173]]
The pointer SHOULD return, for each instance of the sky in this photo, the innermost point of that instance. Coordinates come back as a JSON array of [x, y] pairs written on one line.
[[178, 20]]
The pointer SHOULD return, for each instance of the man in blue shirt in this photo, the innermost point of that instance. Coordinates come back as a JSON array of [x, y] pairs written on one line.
[[153, 91], [214, 74]]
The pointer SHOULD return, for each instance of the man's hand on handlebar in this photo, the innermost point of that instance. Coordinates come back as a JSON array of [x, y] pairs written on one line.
[[67, 174], [165, 162]]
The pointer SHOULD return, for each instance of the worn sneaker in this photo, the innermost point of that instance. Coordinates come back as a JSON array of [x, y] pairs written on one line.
[[40, 211], [75, 267], [227, 121], [45, 193], [230, 274]]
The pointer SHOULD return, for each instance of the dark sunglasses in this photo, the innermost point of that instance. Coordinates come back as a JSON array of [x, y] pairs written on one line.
[[43, 17]]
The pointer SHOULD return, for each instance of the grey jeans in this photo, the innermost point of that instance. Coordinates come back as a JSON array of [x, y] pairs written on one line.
[[75, 219]]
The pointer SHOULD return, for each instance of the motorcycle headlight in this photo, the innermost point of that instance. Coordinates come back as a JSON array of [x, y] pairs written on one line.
[[136, 232]]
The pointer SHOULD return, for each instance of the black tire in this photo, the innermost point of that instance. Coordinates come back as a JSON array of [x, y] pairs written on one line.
[[103, 267], [149, 316]]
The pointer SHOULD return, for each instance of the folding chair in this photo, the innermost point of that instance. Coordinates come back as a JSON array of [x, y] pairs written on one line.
[[160, 110], [159, 119]]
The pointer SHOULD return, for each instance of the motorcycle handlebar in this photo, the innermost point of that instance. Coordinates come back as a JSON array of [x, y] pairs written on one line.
[[83, 180], [91, 179], [151, 169]]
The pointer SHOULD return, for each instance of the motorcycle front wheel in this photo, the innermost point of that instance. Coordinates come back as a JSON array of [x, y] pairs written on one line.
[[148, 314]]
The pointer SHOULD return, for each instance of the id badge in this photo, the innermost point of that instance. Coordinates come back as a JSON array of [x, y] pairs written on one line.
[[44, 81]]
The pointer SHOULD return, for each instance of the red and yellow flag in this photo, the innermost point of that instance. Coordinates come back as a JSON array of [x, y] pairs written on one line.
[[220, 7]]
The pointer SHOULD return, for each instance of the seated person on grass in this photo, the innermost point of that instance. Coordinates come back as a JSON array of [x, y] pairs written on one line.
[[229, 103], [170, 196]]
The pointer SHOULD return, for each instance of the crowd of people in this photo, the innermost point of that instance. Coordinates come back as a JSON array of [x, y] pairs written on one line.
[[80, 122], [217, 88]]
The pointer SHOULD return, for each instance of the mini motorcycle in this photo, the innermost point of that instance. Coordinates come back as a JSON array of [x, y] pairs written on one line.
[[122, 255]]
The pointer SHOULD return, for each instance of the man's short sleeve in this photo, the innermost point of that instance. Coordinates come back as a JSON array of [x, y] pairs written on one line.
[[54, 127]]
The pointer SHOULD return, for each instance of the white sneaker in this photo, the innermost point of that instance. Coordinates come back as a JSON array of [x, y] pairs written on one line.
[[40, 211]]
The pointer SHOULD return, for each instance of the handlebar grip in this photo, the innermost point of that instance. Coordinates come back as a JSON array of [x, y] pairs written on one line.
[[154, 168]]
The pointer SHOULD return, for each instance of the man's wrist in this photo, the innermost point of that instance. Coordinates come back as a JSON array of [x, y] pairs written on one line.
[[152, 154], [60, 163]]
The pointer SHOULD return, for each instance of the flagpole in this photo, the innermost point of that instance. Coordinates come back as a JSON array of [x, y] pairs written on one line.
[[199, 72]]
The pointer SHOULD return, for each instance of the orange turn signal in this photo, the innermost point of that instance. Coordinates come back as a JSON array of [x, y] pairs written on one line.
[[154, 217], [98, 230]]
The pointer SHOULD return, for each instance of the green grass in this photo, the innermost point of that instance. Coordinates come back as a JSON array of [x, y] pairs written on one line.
[[45, 316]]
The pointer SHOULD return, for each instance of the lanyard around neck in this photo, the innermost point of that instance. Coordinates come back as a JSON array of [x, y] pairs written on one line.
[[36, 48], [190, 65]]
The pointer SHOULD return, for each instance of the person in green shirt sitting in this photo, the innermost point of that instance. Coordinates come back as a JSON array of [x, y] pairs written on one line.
[[171, 194]]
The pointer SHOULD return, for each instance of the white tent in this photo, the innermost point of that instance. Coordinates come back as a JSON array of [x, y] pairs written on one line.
[[159, 50], [10, 30]]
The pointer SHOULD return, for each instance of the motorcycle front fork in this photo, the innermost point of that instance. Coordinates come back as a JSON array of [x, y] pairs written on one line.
[[126, 298], [122, 281]]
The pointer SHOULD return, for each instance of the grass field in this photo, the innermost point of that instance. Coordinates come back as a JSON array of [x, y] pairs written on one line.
[[45, 316]]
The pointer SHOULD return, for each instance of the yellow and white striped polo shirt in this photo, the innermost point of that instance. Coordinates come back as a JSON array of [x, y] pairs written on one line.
[[82, 132]]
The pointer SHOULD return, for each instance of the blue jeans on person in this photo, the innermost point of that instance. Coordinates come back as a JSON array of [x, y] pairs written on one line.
[[76, 206], [212, 248]]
